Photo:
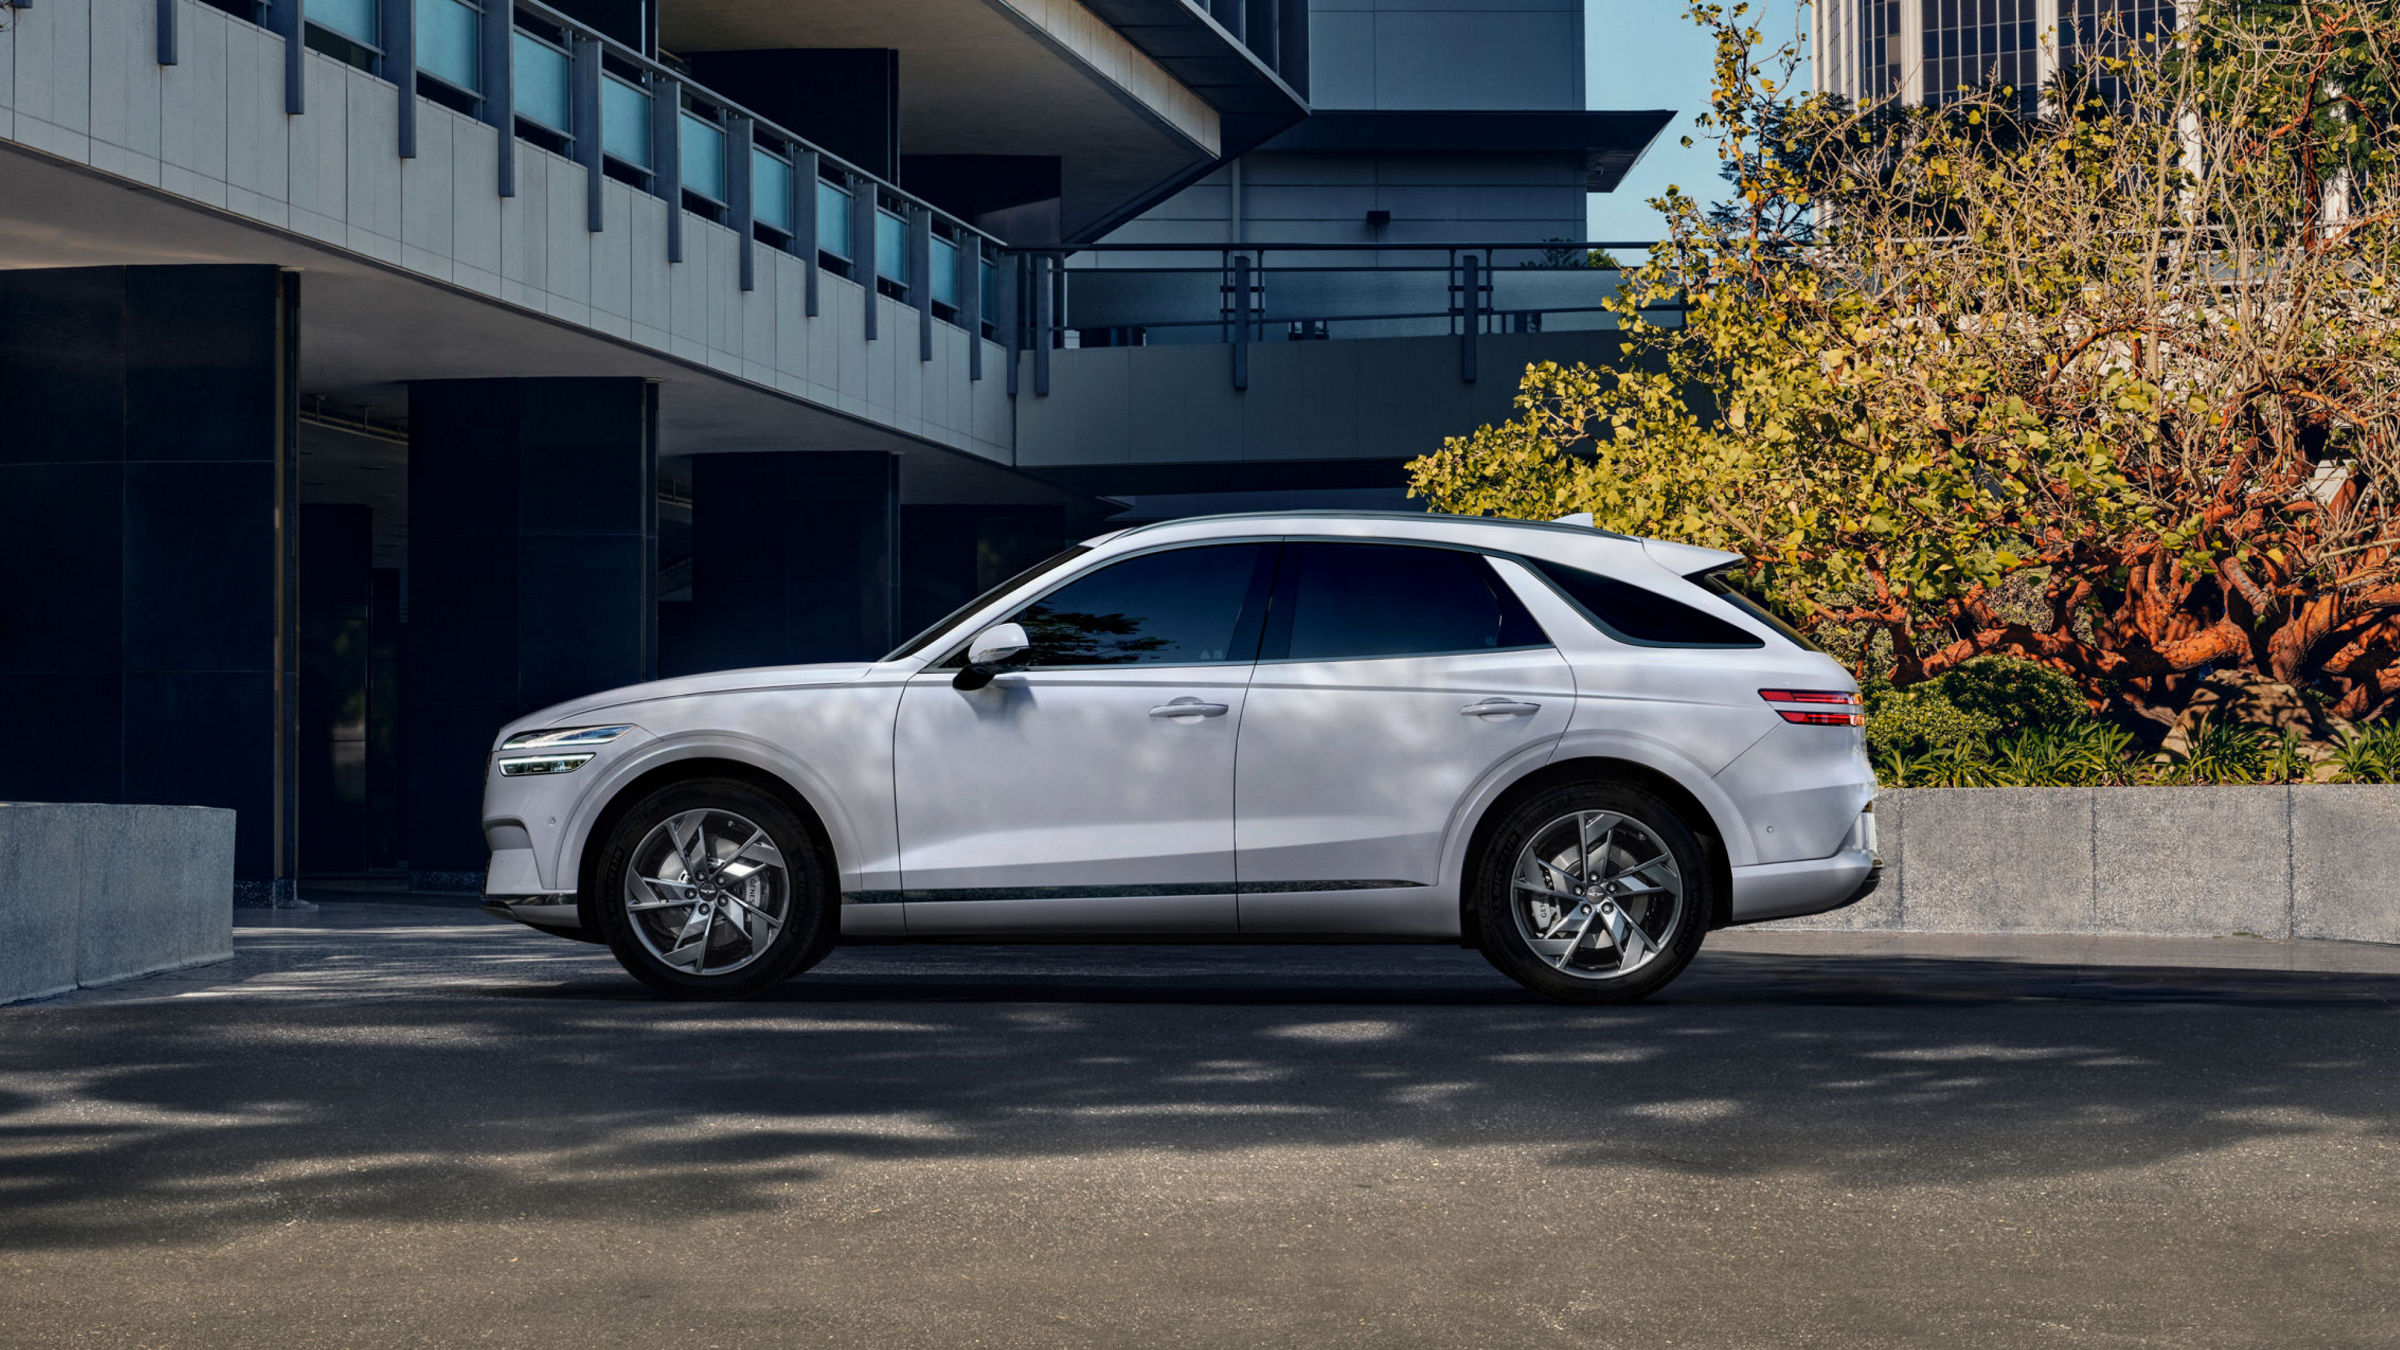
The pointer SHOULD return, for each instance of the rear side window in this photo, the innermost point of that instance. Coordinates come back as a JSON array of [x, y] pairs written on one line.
[[1336, 602], [1642, 617]]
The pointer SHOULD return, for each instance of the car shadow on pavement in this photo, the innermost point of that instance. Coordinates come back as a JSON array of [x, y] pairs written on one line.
[[562, 1091]]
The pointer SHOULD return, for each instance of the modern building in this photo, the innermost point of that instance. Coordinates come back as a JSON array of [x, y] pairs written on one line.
[[372, 371], [1925, 51]]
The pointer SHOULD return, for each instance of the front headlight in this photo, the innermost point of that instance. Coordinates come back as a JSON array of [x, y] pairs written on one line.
[[558, 751], [563, 737]]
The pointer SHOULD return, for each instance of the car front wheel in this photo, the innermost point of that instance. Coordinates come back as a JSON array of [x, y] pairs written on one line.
[[713, 889], [1593, 893]]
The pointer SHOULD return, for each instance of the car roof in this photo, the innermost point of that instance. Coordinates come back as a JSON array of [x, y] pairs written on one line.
[[1304, 519]]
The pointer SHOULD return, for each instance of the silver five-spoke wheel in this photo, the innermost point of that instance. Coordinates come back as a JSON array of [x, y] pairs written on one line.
[[706, 891], [1596, 894]]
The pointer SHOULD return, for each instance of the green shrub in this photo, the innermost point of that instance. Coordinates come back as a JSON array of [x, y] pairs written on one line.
[[2369, 754], [2219, 754]]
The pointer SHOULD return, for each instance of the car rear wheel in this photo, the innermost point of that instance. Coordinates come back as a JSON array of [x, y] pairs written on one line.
[[713, 889], [1593, 893]]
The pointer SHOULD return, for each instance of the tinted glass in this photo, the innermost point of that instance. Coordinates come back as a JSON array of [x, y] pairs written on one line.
[[1351, 601], [1183, 607], [1716, 584], [1644, 617], [1049, 564]]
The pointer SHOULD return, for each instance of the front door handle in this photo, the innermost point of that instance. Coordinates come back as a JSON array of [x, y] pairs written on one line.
[[1500, 707], [1189, 707]]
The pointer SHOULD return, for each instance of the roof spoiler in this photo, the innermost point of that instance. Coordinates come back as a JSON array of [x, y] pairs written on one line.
[[1686, 560]]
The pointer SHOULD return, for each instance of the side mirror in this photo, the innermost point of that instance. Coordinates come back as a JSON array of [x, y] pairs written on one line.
[[1003, 646]]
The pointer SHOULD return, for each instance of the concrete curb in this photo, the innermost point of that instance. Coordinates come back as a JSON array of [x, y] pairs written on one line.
[[96, 894], [2304, 860]]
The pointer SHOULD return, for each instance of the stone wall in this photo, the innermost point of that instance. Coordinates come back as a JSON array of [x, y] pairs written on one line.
[[90, 895], [2303, 861]]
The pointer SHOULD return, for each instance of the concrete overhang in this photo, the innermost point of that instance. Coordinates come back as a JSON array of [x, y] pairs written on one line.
[[367, 329], [1134, 97], [1610, 142]]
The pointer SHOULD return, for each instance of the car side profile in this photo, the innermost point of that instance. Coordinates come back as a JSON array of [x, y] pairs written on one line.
[[1575, 751]]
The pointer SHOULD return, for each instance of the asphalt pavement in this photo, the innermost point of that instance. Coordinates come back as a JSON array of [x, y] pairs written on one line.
[[398, 1123]]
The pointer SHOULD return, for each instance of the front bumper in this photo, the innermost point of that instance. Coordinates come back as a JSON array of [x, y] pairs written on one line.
[[538, 911]]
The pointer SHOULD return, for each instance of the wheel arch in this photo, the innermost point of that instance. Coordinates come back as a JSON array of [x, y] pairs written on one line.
[[1598, 769], [604, 823]]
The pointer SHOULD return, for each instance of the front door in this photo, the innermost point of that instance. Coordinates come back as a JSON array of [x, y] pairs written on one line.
[[1393, 679], [1092, 791]]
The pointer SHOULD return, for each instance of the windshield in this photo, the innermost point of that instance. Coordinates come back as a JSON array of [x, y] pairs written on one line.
[[1716, 583], [925, 639]]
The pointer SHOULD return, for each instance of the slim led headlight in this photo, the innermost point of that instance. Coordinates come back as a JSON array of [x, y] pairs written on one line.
[[563, 738], [523, 765]]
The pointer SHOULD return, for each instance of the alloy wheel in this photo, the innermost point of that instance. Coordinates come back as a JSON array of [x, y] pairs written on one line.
[[707, 891], [1595, 893]]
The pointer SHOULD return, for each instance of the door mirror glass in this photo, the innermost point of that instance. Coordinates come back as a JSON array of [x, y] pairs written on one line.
[[1003, 646]]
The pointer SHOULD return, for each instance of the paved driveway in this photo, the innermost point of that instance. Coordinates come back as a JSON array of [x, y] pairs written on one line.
[[391, 1124]]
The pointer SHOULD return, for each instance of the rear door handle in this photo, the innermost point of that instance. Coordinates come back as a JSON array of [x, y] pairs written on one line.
[[1500, 707], [1188, 707]]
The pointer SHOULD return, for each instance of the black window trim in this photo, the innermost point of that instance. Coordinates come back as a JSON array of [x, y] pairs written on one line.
[[1255, 623], [1275, 631], [1534, 566]]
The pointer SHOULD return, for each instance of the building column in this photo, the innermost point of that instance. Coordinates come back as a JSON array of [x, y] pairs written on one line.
[[532, 574], [794, 559], [146, 493]]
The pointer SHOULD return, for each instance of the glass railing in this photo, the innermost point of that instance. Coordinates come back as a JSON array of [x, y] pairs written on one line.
[[356, 20], [539, 81], [624, 121], [700, 145], [449, 42], [944, 265], [771, 190], [833, 220], [891, 247]]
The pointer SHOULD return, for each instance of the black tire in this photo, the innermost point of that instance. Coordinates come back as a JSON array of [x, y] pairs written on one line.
[[810, 906], [1497, 896]]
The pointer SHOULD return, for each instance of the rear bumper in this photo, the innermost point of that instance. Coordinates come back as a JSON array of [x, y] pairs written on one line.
[[1789, 890]]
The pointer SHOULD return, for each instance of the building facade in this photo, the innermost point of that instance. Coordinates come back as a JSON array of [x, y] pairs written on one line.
[[1926, 51], [374, 371]]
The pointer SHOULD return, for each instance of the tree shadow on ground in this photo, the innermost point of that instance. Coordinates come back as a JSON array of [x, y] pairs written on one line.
[[574, 1095]]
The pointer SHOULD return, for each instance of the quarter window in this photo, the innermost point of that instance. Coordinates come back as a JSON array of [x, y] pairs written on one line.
[[1192, 606], [1642, 617], [1358, 601]]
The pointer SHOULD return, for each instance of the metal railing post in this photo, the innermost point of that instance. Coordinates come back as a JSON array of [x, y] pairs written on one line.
[[399, 23], [1043, 265], [862, 247], [585, 72], [1471, 305], [285, 20], [970, 301], [920, 276], [741, 208], [1012, 313], [666, 157], [1241, 321], [804, 224], [166, 32], [499, 105]]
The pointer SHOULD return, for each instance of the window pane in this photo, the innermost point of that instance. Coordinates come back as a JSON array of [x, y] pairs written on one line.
[[1180, 608], [1353, 601], [1643, 617], [625, 121], [447, 42], [541, 84]]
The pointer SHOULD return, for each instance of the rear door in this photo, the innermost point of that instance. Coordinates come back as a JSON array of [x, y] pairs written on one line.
[[1393, 678]]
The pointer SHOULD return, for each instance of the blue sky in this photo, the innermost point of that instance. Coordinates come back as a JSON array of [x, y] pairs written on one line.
[[1646, 54]]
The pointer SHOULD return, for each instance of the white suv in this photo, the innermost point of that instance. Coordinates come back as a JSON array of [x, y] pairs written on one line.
[[1575, 751]]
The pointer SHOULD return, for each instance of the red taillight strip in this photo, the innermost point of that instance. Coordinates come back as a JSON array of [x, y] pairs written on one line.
[[1845, 711]]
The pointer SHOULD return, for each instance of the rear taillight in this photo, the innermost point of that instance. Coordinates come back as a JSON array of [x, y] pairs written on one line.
[[1816, 707]]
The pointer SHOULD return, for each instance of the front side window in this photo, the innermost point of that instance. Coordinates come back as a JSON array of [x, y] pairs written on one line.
[[925, 639], [1361, 601], [1189, 606]]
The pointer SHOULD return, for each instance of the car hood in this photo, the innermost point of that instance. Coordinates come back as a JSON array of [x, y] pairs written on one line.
[[613, 702]]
